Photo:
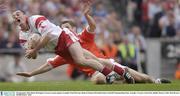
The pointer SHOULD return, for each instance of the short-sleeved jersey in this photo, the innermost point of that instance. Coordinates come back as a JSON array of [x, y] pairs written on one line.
[[39, 24]]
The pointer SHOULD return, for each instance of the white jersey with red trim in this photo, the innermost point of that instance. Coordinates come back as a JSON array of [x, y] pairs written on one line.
[[28, 40], [23, 38], [39, 24]]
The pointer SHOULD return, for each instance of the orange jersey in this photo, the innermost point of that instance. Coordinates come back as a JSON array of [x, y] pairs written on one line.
[[87, 42]]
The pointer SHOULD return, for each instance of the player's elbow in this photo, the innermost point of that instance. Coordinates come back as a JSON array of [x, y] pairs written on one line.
[[48, 36], [92, 28], [45, 39]]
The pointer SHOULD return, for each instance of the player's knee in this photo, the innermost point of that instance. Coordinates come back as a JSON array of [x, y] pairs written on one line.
[[99, 79], [102, 61]]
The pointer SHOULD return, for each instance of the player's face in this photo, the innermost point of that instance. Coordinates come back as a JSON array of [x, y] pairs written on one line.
[[67, 25], [19, 19]]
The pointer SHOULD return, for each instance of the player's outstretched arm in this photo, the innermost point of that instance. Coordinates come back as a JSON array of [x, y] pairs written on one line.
[[42, 69], [44, 40], [90, 20], [25, 74]]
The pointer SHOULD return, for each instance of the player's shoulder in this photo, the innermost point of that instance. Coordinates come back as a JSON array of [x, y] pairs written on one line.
[[35, 16], [34, 20]]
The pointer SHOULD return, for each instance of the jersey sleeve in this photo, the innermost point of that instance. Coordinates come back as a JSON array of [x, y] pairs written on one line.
[[44, 27], [40, 24], [87, 36], [56, 61]]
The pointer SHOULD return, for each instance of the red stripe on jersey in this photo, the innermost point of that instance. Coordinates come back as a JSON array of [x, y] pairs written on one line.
[[22, 41], [38, 20]]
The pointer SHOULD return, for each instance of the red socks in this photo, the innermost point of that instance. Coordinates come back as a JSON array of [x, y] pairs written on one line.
[[106, 71], [118, 69]]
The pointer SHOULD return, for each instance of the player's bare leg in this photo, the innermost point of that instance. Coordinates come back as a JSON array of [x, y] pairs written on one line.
[[121, 70], [78, 56], [140, 77], [105, 62], [144, 78]]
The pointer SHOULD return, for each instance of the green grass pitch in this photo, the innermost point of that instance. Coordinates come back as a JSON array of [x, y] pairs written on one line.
[[86, 86]]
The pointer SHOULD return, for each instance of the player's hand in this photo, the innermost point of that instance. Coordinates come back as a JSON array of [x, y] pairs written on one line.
[[87, 7], [25, 74], [31, 53]]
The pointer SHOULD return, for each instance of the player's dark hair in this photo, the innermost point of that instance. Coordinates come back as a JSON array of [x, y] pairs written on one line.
[[20, 11], [68, 21], [23, 11]]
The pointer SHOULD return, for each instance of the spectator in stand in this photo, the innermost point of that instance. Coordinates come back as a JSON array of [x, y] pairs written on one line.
[[109, 49], [154, 7], [138, 40], [127, 53], [145, 19], [168, 24], [100, 10], [131, 6], [21, 5], [111, 29], [2, 32], [155, 30], [138, 12]]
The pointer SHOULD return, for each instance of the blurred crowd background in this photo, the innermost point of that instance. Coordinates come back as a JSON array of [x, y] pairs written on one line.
[[123, 26]]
